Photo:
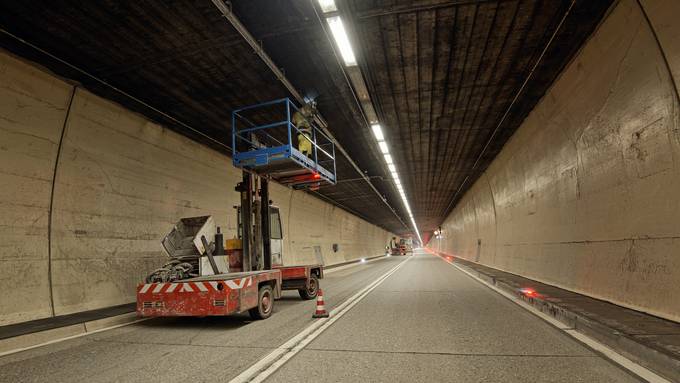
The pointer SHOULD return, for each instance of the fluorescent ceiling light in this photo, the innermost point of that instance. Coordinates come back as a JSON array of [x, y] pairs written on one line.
[[341, 39], [388, 158], [377, 132], [391, 167], [383, 147], [327, 6]]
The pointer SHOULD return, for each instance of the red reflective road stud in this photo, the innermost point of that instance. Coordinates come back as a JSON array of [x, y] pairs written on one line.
[[320, 307]]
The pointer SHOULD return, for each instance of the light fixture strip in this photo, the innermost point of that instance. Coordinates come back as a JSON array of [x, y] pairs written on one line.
[[330, 10], [328, 6], [341, 40], [384, 148]]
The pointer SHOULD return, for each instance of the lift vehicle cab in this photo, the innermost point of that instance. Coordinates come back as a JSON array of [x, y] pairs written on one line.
[[303, 278]]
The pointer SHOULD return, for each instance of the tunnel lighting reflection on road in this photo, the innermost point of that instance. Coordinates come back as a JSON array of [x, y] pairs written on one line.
[[341, 40], [327, 6]]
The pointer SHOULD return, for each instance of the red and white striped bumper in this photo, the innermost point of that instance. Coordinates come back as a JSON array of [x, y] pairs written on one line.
[[219, 297]]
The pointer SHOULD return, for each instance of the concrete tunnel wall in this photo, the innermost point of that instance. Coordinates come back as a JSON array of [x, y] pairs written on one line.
[[81, 225], [586, 194]]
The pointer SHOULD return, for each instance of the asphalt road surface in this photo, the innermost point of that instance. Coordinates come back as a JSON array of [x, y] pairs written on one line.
[[426, 322]]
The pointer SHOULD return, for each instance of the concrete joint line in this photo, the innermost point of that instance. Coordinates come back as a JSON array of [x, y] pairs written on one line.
[[50, 211], [266, 366], [607, 352], [115, 89], [661, 49]]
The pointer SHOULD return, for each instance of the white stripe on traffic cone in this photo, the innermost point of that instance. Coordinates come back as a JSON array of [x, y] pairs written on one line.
[[320, 307]]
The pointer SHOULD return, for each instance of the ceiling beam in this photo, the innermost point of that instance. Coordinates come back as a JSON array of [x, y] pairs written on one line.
[[257, 47], [397, 9]]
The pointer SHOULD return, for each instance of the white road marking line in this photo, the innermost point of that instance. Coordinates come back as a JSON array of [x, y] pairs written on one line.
[[144, 289], [266, 366], [357, 263], [614, 356], [70, 337]]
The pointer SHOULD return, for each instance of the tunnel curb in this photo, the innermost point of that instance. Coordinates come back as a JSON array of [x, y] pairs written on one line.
[[53, 335], [56, 333], [657, 361]]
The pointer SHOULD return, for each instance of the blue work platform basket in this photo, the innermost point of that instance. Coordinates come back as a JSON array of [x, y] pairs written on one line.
[[266, 142]]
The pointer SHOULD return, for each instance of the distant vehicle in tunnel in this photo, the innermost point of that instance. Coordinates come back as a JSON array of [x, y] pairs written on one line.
[[401, 247], [406, 245]]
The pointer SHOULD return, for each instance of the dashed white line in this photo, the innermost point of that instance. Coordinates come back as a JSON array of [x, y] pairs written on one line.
[[266, 366]]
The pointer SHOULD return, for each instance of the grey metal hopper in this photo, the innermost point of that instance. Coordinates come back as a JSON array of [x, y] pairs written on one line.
[[184, 246], [184, 240]]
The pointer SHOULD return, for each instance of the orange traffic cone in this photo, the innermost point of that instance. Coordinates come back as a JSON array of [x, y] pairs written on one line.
[[320, 307]]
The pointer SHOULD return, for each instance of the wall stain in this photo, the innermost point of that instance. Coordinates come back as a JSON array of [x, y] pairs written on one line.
[[634, 263]]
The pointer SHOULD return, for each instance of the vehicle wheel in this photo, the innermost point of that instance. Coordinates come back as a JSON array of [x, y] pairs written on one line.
[[265, 303], [311, 290]]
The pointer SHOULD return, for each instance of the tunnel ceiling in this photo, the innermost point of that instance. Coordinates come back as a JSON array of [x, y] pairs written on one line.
[[441, 74]]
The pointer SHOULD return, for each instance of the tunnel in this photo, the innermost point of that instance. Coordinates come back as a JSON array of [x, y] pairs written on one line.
[[340, 191]]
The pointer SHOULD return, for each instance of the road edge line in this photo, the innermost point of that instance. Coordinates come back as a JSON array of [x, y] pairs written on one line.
[[79, 335], [615, 357]]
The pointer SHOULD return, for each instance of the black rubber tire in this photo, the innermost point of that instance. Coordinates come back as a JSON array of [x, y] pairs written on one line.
[[311, 291], [265, 303]]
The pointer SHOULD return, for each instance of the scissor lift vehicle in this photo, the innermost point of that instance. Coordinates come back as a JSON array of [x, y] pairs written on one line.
[[251, 277]]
